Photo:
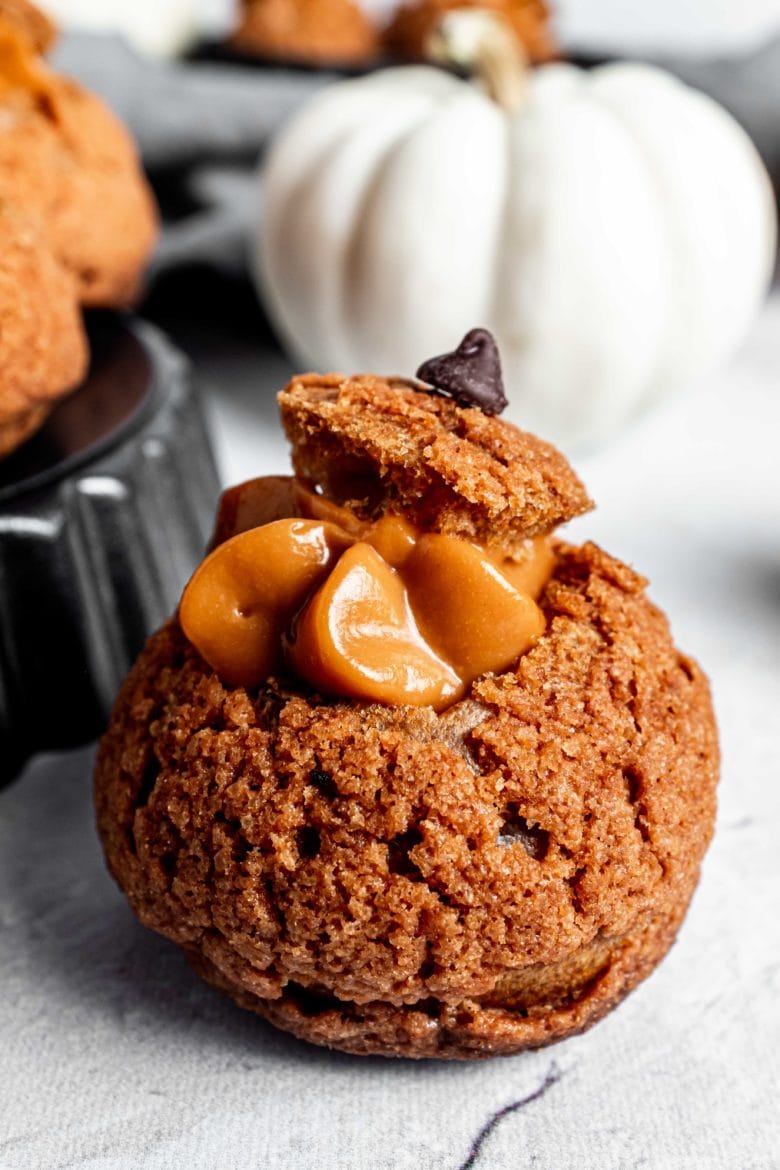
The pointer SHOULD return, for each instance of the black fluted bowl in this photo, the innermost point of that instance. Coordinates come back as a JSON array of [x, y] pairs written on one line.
[[103, 516]]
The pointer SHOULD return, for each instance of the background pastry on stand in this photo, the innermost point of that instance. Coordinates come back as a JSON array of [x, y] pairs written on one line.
[[104, 495], [73, 199]]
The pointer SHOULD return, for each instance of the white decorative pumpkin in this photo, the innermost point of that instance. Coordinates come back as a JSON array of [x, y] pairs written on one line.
[[614, 229]]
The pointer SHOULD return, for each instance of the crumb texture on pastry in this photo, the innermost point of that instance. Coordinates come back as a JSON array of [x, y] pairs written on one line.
[[388, 880], [378, 445]]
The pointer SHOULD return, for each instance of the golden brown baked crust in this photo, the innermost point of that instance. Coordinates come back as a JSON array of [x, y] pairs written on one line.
[[43, 350], [36, 25], [380, 445], [315, 31], [408, 32], [383, 879]]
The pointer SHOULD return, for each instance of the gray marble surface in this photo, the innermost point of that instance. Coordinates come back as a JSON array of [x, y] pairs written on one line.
[[113, 1056]]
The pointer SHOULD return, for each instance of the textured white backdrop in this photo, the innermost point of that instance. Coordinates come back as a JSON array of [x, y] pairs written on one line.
[[114, 1057]]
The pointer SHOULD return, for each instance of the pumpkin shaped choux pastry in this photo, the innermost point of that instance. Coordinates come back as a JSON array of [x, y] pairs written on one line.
[[406, 774], [70, 166], [407, 36], [77, 222], [316, 32]]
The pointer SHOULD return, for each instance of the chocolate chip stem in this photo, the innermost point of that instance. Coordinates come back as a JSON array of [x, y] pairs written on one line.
[[481, 43], [471, 375]]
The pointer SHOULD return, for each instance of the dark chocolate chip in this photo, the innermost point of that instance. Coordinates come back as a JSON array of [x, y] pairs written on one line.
[[471, 376]]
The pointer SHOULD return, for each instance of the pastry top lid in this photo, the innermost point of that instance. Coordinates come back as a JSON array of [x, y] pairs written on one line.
[[388, 445]]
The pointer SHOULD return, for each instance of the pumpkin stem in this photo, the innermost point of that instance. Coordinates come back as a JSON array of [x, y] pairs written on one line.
[[482, 43]]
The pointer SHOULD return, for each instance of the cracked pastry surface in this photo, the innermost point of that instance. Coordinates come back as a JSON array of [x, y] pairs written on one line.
[[389, 880]]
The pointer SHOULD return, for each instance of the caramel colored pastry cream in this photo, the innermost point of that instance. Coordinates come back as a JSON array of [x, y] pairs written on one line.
[[406, 774], [317, 32]]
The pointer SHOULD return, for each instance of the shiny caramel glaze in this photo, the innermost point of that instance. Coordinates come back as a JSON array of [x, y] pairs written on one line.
[[372, 610], [358, 636], [248, 590]]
